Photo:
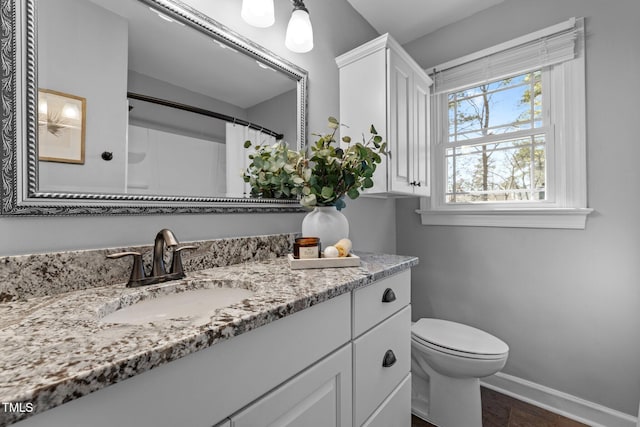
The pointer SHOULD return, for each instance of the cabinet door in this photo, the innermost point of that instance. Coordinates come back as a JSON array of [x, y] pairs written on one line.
[[421, 147], [401, 117], [395, 411], [363, 102], [318, 397], [376, 376]]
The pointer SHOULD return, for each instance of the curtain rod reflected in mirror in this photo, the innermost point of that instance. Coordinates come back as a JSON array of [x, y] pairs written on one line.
[[268, 90], [213, 114]]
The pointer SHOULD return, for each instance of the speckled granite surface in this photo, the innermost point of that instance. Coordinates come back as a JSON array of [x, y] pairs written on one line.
[[27, 276], [55, 348]]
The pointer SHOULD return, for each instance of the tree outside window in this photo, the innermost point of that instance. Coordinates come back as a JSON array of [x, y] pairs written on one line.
[[497, 142]]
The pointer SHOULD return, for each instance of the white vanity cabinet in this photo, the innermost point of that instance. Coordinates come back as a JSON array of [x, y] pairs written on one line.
[[379, 386], [324, 366], [382, 352], [208, 386], [381, 84]]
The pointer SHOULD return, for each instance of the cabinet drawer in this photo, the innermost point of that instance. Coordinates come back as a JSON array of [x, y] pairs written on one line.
[[395, 411], [369, 306], [373, 382]]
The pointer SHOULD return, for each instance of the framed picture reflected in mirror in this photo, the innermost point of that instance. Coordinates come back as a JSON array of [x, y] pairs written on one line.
[[61, 127]]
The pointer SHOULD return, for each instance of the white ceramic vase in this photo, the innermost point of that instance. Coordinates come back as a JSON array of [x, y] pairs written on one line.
[[326, 223]]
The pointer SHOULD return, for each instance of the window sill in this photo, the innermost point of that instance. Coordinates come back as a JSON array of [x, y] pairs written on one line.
[[570, 218]]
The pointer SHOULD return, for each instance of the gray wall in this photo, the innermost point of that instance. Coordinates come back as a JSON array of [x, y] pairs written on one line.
[[372, 221], [567, 302], [270, 113]]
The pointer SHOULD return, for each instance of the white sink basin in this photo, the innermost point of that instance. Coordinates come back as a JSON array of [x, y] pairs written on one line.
[[194, 304]]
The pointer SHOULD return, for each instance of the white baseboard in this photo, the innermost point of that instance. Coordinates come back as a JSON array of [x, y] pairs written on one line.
[[558, 402]]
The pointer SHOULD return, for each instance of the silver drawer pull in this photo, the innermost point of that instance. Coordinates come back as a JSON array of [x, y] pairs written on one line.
[[388, 295], [389, 359]]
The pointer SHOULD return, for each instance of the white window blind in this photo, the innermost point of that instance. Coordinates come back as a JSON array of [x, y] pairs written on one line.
[[549, 46]]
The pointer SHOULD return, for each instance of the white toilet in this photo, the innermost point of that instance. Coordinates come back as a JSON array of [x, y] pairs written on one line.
[[447, 361]]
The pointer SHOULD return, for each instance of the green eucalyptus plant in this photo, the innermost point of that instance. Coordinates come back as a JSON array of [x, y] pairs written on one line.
[[271, 174], [335, 170], [322, 174]]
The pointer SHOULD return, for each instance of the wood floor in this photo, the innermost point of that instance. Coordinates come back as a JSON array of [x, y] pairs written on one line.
[[499, 410]]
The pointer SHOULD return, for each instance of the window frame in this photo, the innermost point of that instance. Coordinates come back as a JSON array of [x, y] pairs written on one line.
[[442, 100], [566, 202]]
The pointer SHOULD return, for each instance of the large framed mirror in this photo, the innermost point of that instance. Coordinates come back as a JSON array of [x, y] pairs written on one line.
[[137, 107]]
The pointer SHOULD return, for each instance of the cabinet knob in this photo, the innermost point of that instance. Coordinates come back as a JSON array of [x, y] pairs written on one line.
[[388, 295], [389, 359]]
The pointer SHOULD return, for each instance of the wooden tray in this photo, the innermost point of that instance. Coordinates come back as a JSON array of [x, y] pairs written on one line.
[[348, 261]]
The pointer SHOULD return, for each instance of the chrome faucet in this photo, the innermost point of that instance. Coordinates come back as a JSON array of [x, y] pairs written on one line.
[[159, 272]]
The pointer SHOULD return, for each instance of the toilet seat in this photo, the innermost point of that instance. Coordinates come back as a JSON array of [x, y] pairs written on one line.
[[458, 340]]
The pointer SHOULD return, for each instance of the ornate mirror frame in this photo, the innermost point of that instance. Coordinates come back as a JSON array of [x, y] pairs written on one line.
[[18, 157]]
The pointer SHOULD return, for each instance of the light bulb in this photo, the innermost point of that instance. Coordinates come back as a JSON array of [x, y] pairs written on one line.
[[299, 36], [258, 13], [70, 111], [43, 107]]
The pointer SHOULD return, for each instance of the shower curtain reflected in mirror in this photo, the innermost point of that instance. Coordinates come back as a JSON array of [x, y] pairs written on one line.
[[238, 157]]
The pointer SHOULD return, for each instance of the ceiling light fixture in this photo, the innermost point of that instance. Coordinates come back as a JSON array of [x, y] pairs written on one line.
[[299, 36], [258, 13]]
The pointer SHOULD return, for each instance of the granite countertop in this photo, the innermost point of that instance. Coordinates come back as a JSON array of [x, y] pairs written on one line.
[[55, 348]]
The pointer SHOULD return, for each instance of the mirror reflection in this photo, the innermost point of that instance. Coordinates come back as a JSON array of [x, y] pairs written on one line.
[[133, 101]]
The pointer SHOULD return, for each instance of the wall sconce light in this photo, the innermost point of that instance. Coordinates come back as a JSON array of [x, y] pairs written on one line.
[[299, 36]]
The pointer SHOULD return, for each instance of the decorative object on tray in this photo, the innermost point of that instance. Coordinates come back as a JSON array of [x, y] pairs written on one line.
[[336, 255], [307, 247]]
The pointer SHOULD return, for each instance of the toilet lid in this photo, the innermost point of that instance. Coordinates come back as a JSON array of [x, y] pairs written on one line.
[[458, 337]]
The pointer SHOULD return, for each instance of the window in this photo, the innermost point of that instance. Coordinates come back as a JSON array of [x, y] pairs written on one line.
[[508, 134], [497, 142]]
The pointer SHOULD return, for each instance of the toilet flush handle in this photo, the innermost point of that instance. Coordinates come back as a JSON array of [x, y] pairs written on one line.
[[388, 295]]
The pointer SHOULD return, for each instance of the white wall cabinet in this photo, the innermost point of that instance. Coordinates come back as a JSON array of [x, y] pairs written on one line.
[[323, 366], [381, 84]]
